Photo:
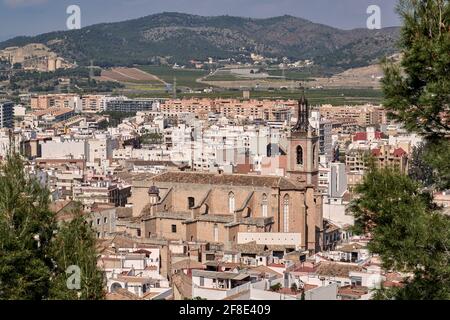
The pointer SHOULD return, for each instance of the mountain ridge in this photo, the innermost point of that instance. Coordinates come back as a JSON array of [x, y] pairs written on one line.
[[185, 36]]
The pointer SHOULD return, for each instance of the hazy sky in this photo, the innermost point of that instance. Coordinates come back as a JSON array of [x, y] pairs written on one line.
[[30, 17]]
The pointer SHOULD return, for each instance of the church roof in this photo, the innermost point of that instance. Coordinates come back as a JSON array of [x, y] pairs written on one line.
[[225, 179]]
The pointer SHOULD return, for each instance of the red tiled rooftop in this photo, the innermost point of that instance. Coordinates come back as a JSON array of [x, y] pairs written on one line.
[[376, 152], [362, 136], [399, 152]]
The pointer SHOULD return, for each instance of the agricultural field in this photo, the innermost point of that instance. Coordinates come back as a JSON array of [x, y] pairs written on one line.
[[263, 78], [129, 75], [315, 96], [301, 75], [185, 77]]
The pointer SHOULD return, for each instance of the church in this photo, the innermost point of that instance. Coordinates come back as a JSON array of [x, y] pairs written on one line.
[[193, 206]]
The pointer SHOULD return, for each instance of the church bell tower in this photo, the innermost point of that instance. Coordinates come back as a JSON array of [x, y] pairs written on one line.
[[303, 149]]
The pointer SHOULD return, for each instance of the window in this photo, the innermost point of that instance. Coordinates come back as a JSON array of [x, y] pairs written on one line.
[[98, 221], [269, 150], [231, 202], [191, 202], [264, 205], [105, 220], [174, 228], [314, 156], [299, 155], [202, 281], [286, 213], [356, 281], [138, 231]]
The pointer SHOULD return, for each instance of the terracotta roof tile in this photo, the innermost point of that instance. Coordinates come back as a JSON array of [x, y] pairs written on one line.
[[225, 179]]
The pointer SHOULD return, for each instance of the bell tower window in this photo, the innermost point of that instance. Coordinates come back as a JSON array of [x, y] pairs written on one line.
[[299, 155], [314, 156]]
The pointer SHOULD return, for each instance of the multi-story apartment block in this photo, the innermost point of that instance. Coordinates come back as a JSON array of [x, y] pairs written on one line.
[[47, 117], [93, 192], [132, 105], [43, 102], [6, 114], [97, 103], [364, 115], [384, 156], [278, 110], [324, 129]]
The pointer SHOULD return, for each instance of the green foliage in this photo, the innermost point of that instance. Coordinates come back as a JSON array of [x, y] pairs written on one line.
[[315, 96], [184, 77], [430, 164], [303, 295], [182, 37], [49, 81], [419, 169], [408, 232], [25, 265], [417, 90], [437, 155], [294, 287], [151, 138], [75, 245], [276, 287], [33, 249]]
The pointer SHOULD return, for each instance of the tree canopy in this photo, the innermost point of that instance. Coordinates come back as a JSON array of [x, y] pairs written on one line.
[[408, 231], [34, 249], [417, 92]]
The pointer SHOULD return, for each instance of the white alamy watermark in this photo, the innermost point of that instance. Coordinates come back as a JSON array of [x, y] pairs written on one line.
[[74, 20], [374, 20], [73, 281]]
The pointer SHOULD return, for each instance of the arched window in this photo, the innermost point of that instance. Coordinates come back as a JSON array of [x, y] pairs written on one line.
[[191, 202], [314, 156], [115, 286], [269, 150], [264, 205], [231, 202], [286, 213], [299, 155]]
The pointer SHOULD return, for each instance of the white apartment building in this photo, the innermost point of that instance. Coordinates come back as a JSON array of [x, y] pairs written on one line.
[[222, 147], [100, 150], [64, 148], [324, 131], [129, 153], [136, 270]]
